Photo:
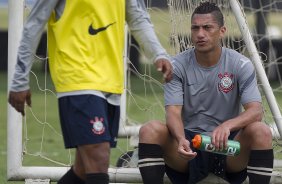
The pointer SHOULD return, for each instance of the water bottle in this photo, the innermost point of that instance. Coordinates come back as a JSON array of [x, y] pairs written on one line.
[[203, 142]]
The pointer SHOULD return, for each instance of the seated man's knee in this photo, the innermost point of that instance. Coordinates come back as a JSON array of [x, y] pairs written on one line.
[[258, 132], [151, 131]]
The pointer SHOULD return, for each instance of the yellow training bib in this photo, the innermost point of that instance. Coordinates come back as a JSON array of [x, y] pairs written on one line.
[[86, 46]]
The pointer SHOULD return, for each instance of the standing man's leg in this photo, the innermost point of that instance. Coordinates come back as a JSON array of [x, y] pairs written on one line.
[[256, 153], [76, 174], [89, 124], [90, 166], [95, 160]]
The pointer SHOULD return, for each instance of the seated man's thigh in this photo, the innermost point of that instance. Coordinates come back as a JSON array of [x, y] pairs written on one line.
[[239, 162]]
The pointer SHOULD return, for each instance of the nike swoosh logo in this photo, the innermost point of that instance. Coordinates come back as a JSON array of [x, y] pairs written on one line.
[[93, 31]]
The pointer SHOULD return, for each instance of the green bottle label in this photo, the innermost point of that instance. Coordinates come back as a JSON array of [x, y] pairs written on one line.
[[233, 147]]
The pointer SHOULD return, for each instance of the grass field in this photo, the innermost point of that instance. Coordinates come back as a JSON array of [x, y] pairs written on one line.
[[3, 112]]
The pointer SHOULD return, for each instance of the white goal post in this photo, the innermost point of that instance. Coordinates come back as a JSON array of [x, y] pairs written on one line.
[[252, 50], [16, 171]]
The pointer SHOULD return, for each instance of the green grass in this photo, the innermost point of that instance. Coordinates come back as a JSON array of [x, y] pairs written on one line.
[[3, 133], [4, 18]]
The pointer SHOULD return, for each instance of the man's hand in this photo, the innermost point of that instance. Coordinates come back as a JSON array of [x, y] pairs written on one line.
[[184, 149], [220, 136], [18, 100], [164, 66]]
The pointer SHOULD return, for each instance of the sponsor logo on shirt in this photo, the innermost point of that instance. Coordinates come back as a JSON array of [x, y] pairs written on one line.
[[226, 83]]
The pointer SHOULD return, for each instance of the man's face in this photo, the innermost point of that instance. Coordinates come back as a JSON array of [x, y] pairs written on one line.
[[206, 33]]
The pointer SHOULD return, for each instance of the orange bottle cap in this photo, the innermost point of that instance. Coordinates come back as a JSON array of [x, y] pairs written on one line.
[[196, 141]]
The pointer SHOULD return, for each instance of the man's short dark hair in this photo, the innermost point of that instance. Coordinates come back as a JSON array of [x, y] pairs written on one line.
[[208, 7]]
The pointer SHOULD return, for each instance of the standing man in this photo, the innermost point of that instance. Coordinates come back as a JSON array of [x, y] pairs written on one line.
[[85, 48], [210, 84]]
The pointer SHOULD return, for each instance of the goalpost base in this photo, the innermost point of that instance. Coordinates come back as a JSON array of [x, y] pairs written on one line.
[[211, 179], [37, 181], [117, 175]]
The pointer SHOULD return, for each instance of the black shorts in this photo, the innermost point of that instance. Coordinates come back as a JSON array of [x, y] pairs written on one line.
[[88, 119], [203, 164]]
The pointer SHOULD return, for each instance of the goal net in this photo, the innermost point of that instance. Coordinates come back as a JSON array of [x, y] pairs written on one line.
[[35, 144]]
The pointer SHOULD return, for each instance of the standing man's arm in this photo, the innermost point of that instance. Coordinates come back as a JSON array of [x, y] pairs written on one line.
[[142, 29], [34, 26]]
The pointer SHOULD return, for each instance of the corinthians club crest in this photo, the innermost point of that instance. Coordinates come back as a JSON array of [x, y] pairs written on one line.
[[98, 126], [226, 84]]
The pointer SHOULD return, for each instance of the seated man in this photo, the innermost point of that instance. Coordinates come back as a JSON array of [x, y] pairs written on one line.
[[210, 85]]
